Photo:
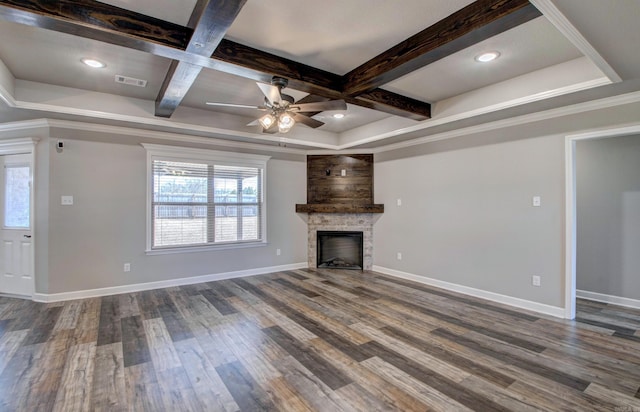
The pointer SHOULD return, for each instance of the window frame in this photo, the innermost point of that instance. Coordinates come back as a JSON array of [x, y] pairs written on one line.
[[211, 157]]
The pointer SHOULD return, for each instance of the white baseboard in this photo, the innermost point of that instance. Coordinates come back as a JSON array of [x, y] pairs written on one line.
[[137, 287], [479, 293], [601, 297]]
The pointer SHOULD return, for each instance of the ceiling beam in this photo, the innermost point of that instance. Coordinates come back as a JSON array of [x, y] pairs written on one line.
[[98, 21], [249, 62], [393, 103], [470, 25], [210, 21], [109, 24]]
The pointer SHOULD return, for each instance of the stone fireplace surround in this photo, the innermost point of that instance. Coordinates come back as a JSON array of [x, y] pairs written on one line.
[[340, 198], [356, 222]]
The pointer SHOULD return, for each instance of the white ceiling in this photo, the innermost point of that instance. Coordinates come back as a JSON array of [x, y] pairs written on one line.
[[538, 60], [335, 35], [523, 49], [175, 11]]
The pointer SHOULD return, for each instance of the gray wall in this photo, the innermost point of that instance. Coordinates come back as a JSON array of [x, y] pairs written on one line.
[[467, 216], [608, 216], [89, 242]]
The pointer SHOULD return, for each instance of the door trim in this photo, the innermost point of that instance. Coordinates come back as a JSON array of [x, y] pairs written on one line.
[[570, 206], [26, 146]]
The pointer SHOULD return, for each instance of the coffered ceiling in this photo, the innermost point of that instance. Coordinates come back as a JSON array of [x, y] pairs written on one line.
[[332, 49]]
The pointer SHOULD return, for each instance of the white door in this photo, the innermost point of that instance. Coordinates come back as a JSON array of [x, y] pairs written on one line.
[[16, 255]]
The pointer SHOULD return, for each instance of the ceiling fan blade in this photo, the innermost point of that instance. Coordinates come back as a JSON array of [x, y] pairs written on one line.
[[271, 92], [238, 106], [321, 106], [306, 120]]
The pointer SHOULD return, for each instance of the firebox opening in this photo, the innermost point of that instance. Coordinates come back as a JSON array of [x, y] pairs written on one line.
[[340, 250]]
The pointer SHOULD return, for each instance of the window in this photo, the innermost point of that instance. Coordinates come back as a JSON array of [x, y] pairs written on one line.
[[200, 198], [17, 196]]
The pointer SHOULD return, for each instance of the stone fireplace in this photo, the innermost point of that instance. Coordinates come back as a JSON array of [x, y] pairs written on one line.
[[340, 199]]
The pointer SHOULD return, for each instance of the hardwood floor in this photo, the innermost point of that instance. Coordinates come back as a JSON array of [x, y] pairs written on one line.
[[313, 340]]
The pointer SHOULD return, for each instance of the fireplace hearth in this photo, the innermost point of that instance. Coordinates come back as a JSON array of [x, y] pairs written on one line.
[[340, 250]]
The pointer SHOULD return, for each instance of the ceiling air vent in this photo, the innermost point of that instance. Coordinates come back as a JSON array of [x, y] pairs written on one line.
[[130, 81]]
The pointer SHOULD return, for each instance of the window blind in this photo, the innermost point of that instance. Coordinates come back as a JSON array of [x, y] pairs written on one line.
[[202, 203]]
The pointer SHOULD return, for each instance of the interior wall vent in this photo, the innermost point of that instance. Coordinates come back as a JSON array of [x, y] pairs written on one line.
[[130, 81]]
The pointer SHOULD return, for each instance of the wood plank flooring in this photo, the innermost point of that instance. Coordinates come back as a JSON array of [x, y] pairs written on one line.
[[313, 340]]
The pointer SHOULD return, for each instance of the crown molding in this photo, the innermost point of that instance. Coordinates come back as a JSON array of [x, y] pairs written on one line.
[[166, 123], [24, 125], [10, 100], [143, 133], [564, 26], [6, 97], [603, 103], [627, 98], [572, 88]]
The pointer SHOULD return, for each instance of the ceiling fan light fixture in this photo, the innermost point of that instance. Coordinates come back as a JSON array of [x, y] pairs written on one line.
[[487, 57], [285, 122], [267, 121]]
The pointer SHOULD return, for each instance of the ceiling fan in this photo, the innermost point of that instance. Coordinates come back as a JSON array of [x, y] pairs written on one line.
[[282, 111]]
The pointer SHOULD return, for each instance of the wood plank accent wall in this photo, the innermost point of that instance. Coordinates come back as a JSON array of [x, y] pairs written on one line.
[[330, 192]]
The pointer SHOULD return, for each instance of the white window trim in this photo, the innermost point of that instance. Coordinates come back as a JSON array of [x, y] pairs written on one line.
[[190, 154]]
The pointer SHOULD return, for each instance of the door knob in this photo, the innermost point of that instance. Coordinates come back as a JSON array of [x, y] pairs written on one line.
[[27, 236]]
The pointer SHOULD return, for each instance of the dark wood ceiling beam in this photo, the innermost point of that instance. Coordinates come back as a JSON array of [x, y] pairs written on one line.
[[389, 102], [249, 62], [478, 21], [381, 100], [210, 21], [109, 24], [100, 21]]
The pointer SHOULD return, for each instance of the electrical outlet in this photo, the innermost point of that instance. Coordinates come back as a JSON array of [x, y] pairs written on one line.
[[66, 200], [399, 202], [127, 267], [343, 172], [277, 252], [535, 280], [399, 256]]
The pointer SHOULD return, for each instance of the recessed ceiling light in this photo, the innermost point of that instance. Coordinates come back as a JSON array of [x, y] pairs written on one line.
[[96, 64], [338, 115], [487, 57]]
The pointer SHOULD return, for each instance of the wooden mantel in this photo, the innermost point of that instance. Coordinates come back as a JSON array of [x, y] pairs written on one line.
[[340, 184], [339, 208]]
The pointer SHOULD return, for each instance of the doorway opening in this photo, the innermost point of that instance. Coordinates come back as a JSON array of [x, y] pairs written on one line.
[[571, 206]]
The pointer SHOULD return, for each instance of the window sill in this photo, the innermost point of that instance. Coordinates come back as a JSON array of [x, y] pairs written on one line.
[[207, 248]]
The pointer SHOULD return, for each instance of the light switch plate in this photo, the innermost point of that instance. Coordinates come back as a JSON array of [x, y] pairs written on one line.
[[536, 201], [66, 200]]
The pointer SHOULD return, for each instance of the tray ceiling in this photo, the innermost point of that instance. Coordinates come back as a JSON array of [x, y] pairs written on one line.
[[537, 57]]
